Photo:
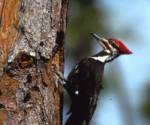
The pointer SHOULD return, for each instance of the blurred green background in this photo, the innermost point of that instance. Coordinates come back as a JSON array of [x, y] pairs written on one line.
[[125, 99]]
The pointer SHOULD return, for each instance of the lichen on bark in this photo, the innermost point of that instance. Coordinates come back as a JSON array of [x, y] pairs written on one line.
[[31, 50], [39, 21]]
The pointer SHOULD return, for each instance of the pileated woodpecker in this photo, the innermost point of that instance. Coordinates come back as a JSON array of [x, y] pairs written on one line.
[[84, 81]]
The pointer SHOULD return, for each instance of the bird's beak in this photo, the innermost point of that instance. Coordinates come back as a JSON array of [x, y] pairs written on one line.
[[102, 41]]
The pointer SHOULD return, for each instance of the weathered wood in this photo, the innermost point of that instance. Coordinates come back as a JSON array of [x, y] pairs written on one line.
[[31, 51]]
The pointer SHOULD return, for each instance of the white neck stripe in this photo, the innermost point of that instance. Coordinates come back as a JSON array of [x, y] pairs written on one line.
[[101, 58]]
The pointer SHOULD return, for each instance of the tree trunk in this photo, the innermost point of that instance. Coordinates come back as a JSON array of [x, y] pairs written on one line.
[[31, 52]]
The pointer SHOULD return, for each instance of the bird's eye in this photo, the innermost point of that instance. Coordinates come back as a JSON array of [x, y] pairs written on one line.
[[114, 43]]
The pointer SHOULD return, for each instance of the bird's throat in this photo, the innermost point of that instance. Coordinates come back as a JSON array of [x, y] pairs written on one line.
[[102, 59], [104, 56]]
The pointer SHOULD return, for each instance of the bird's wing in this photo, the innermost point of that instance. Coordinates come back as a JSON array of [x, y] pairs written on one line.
[[78, 75]]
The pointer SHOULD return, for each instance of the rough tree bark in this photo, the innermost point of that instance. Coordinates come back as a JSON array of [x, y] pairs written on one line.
[[31, 52]]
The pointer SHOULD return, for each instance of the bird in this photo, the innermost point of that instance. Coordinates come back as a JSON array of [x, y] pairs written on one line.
[[84, 82]]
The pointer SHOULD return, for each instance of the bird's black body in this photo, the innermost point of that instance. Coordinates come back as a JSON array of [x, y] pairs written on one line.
[[88, 72], [84, 81]]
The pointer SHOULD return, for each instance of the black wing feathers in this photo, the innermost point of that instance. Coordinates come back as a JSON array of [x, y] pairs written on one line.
[[84, 78]]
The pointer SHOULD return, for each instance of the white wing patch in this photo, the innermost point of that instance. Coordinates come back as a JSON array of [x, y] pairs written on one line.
[[77, 92]]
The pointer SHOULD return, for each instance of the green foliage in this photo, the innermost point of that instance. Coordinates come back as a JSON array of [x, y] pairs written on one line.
[[145, 103], [83, 19]]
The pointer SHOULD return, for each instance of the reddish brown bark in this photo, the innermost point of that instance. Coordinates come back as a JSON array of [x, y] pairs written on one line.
[[31, 51]]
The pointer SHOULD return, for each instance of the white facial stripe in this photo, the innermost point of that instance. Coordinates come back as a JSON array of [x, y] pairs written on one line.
[[106, 42], [107, 51], [112, 49], [102, 45], [101, 58], [110, 46]]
